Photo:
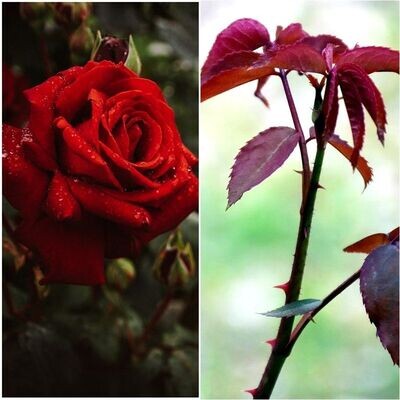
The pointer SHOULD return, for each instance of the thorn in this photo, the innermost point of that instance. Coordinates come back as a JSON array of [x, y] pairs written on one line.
[[283, 286], [271, 342], [298, 172], [312, 319], [251, 391], [320, 186]]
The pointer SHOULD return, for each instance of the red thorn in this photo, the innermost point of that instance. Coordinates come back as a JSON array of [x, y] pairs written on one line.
[[283, 286], [251, 391], [271, 342]]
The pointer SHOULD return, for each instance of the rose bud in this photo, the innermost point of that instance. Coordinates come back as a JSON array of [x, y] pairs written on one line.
[[71, 15], [112, 49], [120, 273], [175, 264], [99, 171], [80, 44], [117, 50], [34, 12]]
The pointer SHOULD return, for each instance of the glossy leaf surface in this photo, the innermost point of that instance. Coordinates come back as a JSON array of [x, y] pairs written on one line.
[[259, 158], [299, 307], [379, 285]]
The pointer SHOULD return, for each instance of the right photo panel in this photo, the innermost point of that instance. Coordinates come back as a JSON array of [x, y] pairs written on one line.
[[299, 199]]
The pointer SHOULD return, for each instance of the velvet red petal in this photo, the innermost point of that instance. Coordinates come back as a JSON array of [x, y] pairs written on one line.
[[82, 159], [71, 252], [125, 171], [172, 212], [140, 84], [99, 202], [24, 185], [73, 97], [42, 98], [60, 203]]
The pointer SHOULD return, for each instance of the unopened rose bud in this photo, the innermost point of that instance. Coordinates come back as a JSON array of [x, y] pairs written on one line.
[[175, 264], [117, 50], [71, 15], [34, 13], [80, 44], [120, 273], [112, 49]]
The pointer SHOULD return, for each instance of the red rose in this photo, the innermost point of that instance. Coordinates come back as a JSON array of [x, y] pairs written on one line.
[[99, 171]]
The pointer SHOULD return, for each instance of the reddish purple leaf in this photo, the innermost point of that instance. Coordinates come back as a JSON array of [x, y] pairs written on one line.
[[234, 70], [242, 35], [379, 284], [260, 84], [371, 59], [298, 57], [346, 150], [355, 112], [330, 106], [259, 158], [291, 34], [321, 41], [369, 95]]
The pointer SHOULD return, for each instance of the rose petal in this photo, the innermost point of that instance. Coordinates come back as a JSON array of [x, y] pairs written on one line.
[[71, 252], [140, 84], [73, 97], [42, 98], [172, 212], [82, 159], [100, 203], [125, 171], [60, 203], [24, 185]]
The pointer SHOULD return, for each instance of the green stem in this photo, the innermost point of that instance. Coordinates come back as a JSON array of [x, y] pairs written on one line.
[[279, 351]]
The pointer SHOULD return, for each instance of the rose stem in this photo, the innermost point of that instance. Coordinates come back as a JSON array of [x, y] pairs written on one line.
[[310, 315], [302, 141], [279, 351], [157, 315]]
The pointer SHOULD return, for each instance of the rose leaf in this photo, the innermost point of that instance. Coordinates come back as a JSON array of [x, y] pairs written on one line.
[[346, 150], [259, 158], [242, 35], [379, 285], [298, 307]]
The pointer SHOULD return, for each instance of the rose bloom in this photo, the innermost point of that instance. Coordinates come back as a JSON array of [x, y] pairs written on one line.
[[99, 171]]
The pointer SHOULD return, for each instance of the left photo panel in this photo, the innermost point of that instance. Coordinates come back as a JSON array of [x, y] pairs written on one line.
[[100, 199]]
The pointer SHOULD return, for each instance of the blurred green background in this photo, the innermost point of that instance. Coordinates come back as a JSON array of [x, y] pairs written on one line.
[[248, 249], [80, 340]]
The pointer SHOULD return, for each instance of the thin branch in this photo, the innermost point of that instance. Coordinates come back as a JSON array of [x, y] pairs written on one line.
[[310, 315], [156, 316], [302, 141]]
